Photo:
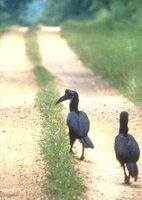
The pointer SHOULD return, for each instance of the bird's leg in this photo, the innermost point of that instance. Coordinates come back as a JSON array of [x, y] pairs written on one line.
[[125, 174], [72, 140], [128, 179], [82, 156], [71, 151], [135, 179]]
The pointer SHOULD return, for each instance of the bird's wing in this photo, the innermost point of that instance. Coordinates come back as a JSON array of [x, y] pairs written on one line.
[[78, 123], [120, 146], [126, 148], [133, 147]]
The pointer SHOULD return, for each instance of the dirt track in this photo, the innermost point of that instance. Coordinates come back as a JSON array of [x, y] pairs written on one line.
[[103, 104], [20, 165]]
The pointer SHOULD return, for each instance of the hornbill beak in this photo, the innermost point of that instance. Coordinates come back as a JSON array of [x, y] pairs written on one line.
[[63, 98]]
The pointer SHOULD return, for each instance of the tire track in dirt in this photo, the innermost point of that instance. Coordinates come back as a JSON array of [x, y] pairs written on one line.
[[21, 167], [103, 104]]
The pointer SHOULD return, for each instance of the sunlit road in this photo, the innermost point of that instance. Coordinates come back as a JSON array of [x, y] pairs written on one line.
[[20, 166], [103, 104]]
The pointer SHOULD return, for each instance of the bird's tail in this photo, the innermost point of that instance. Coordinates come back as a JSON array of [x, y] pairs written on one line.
[[87, 143], [133, 170]]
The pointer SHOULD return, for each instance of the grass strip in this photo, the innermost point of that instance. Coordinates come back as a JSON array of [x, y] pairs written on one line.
[[4, 29], [62, 181], [113, 52]]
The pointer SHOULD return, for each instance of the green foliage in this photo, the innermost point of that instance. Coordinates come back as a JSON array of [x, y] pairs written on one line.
[[124, 11], [62, 182], [1, 3], [119, 10], [56, 12], [3, 14], [53, 13], [110, 50], [12, 10]]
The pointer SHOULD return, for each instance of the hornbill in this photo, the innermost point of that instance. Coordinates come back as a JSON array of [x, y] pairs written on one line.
[[77, 121], [126, 149]]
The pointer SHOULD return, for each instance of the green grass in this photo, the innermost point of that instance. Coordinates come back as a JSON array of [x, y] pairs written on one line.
[[4, 29], [111, 51], [62, 181]]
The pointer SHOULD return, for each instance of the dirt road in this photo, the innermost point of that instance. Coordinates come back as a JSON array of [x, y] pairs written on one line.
[[103, 104], [20, 164]]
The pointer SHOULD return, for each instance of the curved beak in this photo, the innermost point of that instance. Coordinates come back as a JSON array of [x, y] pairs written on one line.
[[63, 98]]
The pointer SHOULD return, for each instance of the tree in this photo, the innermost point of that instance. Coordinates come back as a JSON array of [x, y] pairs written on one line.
[[10, 10], [56, 12]]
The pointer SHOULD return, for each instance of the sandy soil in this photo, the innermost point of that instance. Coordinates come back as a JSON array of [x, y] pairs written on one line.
[[21, 168], [103, 104], [20, 164]]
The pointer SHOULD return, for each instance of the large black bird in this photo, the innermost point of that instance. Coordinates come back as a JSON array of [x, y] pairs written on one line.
[[127, 149], [77, 121]]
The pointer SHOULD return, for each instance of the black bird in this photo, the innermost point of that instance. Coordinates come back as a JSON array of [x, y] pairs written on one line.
[[77, 121], [127, 149]]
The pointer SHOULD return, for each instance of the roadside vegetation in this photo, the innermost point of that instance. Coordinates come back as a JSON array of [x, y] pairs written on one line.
[[4, 29], [112, 49], [62, 181]]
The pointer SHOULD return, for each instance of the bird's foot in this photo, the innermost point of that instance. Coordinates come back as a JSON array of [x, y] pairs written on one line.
[[135, 179], [127, 180], [82, 158], [71, 151]]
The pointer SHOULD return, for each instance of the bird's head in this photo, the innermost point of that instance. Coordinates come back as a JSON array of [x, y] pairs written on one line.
[[69, 95], [123, 117], [123, 122]]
